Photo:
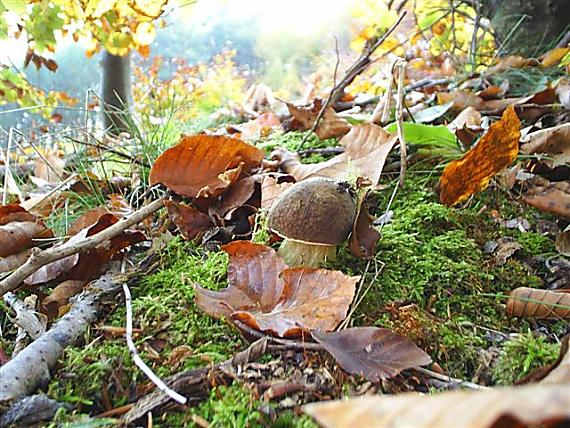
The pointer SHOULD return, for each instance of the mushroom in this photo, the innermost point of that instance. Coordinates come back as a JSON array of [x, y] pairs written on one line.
[[313, 216]]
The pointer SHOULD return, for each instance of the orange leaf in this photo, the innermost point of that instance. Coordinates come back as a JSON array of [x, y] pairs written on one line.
[[376, 353], [266, 295], [540, 304], [330, 125], [204, 165], [472, 173]]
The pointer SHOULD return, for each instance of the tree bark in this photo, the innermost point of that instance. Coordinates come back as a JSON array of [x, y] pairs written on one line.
[[117, 97], [545, 23]]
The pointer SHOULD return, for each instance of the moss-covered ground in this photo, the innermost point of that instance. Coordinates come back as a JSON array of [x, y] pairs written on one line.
[[429, 280]]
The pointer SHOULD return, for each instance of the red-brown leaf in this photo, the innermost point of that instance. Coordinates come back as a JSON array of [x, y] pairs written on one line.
[[189, 220], [19, 229], [204, 165], [376, 353]]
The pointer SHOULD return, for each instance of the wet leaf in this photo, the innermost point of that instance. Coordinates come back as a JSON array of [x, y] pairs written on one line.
[[19, 230], [539, 304], [204, 165], [366, 149], [376, 353], [189, 220], [268, 296], [532, 405], [331, 124], [495, 150]]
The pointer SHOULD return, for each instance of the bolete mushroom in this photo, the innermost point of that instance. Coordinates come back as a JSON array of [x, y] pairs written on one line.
[[313, 216]]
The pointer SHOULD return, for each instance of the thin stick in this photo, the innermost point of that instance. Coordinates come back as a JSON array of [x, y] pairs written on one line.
[[448, 379], [7, 173], [138, 360], [401, 67], [41, 258], [288, 343]]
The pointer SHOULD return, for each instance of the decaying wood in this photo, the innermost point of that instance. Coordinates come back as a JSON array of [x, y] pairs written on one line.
[[195, 384], [41, 258], [23, 374]]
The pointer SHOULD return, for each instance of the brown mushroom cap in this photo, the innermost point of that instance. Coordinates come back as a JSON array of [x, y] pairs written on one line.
[[315, 211]]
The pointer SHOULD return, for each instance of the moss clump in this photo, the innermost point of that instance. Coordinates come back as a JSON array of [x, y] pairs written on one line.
[[522, 355], [292, 141]]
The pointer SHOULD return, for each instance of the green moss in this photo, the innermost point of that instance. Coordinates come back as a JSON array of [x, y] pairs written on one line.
[[231, 406], [293, 141], [522, 355]]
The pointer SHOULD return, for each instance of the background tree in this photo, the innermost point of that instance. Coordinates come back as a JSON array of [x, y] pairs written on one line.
[[115, 26]]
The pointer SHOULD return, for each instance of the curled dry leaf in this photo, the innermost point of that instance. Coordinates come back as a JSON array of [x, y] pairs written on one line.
[[268, 296], [540, 304], [260, 127], [469, 118], [60, 296], [532, 405], [552, 141], [376, 353], [237, 195], [204, 165], [189, 220], [364, 235], [366, 149], [19, 229], [550, 197], [472, 173], [331, 124]]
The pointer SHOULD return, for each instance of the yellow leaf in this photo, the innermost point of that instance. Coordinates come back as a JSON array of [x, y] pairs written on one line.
[[144, 34]]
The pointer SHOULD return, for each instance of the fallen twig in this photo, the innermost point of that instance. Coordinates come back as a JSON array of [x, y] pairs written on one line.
[[194, 384], [400, 65], [448, 379], [41, 258], [30, 411], [24, 373]]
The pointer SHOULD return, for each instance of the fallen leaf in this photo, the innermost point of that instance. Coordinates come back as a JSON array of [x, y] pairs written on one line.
[[375, 353], [532, 405], [562, 243], [553, 57], [495, 150], [50, 167], [19, 230], [60, 296], [364, 235], [469, 118], [552, 141], [504, 249], [204, 165], [268, 296], [331, 125], [272, 187], [14, 261], [260, 127], [560, 370], [189, 220], [366, 149], [87, 219], [235, 196], [426, 135], [550, 197], [430, 114], [539, 304], [511, 61]]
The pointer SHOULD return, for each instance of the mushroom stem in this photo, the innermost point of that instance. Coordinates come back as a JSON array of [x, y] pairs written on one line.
[[302, 254]]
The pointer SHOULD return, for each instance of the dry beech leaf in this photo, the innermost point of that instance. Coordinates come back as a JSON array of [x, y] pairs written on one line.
[[531, 405], [60, 296], [527, 302], [469, 118], [550, 197], [553, 57], [268, 296], [375, 353], [204, 165], [495, 150], [562, 243], [559, 371], [553, 141], [272, 187], [87, 219], [14, 261], [237, 195], [260, 127], [364, 235], [366, 149], [331, 124], [189, 220], [19, 229], [53, 172], [511, 61]]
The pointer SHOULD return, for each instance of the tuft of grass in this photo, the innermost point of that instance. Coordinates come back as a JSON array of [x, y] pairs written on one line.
[[522, 355]]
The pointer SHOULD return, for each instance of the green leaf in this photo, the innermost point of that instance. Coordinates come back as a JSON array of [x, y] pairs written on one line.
[[426, 135], [16, 6]]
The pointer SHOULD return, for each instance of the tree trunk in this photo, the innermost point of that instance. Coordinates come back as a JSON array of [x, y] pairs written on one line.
[[544, 24], [117, 97]]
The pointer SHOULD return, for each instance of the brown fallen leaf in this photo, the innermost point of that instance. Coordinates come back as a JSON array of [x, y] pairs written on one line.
[[60, 296], [366, 149], [495, 150], [511, 61], [19, 230], [375, 353], [469, 118], [266, 295], [527, 302], [272, 186], [260, 127], [552, 141], [364, 235], [51, 171], [550, 197], [238, 194], [189, 220], [14, 261], [331, 124], [562, 243], [87, 219], [204, 165], [560, 370], [532, 405]]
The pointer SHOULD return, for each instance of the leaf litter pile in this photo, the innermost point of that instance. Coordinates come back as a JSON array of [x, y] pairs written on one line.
[[420, 255]]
